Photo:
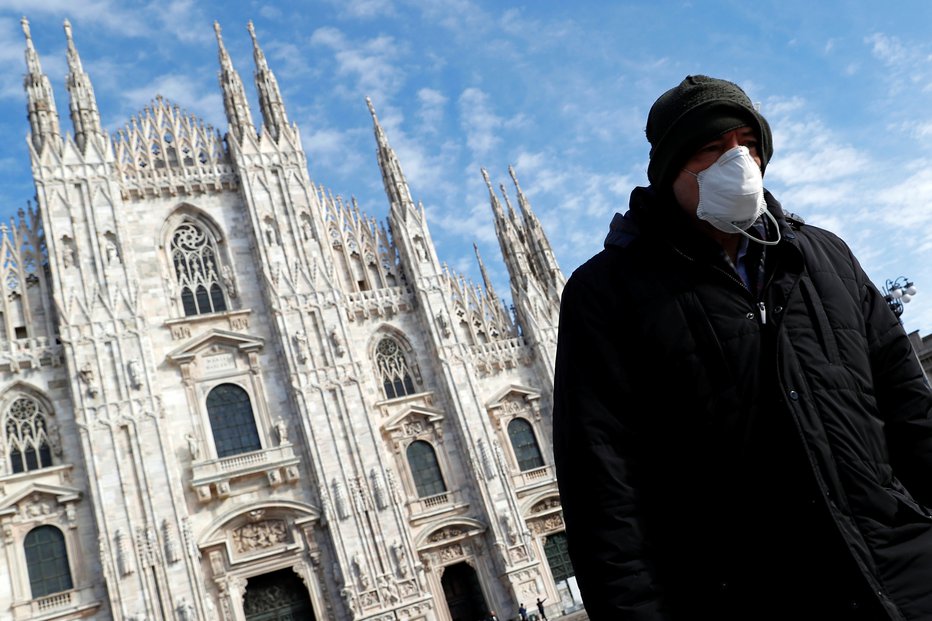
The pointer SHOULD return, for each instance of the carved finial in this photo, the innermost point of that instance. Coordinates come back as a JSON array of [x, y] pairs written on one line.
[[514, 177], [26, 31], [371, 109], [68, 30], [252, 30], [217, 31], [488, 182]]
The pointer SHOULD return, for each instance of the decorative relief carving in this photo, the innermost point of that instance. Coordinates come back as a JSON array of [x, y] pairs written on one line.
[[450, 532], [180, 331], [260, 535], [451, 552], [485, 458], [339, 500], [548, 524], [172, 553], [546, 505], [388, 591], [413, 428], [124, 562], [518, 554], [378, 489]]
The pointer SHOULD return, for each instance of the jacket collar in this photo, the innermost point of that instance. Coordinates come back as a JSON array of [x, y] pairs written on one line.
[[654, 214]]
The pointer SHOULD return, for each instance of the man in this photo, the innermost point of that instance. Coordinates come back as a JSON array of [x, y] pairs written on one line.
[[741, 428], [522, 612], [540, 608]]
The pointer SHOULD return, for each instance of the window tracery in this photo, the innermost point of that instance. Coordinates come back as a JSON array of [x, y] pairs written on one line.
[[26, 436], [194, 257], [393, 369]]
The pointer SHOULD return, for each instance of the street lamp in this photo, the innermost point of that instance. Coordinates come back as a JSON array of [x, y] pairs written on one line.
[[898, 292]]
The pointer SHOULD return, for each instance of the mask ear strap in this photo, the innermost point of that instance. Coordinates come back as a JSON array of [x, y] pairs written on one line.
[[763, 241]]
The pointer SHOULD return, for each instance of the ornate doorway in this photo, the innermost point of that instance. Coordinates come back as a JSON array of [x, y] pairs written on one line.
[[277, 596], [463, 593]]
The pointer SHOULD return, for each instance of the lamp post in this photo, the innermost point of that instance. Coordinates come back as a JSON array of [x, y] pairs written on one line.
[[898, 292]]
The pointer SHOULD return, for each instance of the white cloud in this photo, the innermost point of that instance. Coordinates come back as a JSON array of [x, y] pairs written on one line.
[[182, 91], [479, 122], [370, 62], [430, 113]]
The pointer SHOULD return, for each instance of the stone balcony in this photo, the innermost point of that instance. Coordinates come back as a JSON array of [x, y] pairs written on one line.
[[530, 480], [71, 604], [212, 478], [429, 507]]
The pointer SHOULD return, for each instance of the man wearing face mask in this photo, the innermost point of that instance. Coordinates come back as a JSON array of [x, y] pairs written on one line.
[[741, 428]]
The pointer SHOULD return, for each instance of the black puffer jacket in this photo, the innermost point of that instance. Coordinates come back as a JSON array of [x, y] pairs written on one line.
[[724, 455]]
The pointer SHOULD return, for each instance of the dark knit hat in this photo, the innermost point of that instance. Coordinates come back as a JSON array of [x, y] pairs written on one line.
[[696, 111]]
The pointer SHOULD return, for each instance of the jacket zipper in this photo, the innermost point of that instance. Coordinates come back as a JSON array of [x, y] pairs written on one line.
[[762, 308]]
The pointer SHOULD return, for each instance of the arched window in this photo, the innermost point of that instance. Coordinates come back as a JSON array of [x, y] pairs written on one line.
[[25, 436], [195, 260], [47, 561], [424, 468], [524, 444], [393, 369], [232, 421]]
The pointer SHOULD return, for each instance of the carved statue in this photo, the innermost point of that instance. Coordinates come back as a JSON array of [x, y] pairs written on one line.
[[226, 277], [282, 431], [300, 343], [186, 611], [193, 447], [337, 341], [401, 559], [135, 373], [87, 376]]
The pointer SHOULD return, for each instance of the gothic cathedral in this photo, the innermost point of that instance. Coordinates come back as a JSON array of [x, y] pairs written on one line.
[[226, 394]]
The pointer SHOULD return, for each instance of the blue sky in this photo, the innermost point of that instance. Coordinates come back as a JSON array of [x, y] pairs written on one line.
[[560, 90]]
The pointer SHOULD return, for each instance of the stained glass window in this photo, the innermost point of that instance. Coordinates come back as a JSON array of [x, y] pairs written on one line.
[[195, 260], [425, 470], [47, 561], [393, 369], [232, 421], [524, 444], [26, 437]]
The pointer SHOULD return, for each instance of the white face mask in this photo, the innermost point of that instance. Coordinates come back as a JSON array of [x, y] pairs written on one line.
[[731, 193]]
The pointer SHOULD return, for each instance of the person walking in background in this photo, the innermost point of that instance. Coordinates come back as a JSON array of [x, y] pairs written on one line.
[[741, 429], [522, 612]]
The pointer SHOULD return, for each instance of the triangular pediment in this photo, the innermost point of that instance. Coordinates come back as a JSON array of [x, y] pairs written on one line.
[[512, 392], [59, 494], [412, 414], [214, 342]]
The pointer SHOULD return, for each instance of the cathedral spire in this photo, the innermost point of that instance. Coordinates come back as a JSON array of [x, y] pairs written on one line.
[[40, 101], [234, 96], [396, 187], [485, 276], [509, 239], [270, 97], [84, 115], [541, 250]]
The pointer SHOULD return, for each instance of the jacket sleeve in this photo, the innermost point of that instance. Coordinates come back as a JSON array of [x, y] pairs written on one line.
[[596, 458], [903, 396]]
